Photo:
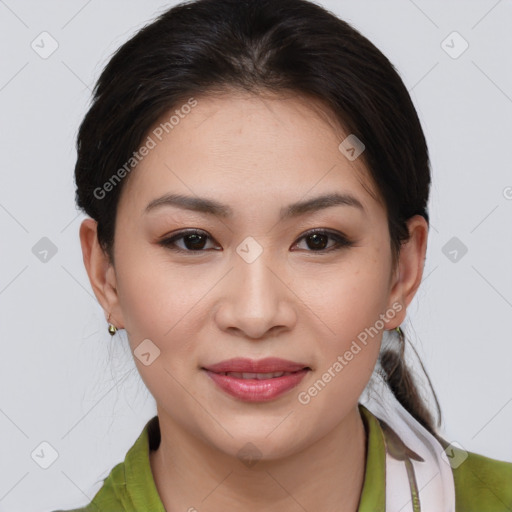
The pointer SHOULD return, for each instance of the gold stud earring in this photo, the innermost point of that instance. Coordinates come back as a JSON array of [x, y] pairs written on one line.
[[112, 329]]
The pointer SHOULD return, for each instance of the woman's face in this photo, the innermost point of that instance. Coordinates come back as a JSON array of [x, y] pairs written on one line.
[[253, 284]]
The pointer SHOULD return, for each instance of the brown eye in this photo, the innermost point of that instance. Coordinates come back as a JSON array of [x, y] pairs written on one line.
[[193, 241], [318, 240], [196, 241]]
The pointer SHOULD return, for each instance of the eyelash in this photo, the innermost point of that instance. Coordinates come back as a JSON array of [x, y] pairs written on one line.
[[341, 241]]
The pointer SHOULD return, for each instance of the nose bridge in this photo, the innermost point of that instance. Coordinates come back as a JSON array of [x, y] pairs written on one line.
[[256, 300], [256, 285]]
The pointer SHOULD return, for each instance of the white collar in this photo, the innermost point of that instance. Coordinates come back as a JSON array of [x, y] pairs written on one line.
[[433, 475]]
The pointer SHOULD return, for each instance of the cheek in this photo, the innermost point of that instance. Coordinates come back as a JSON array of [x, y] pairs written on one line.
[[157, 307], [349, 308], [153, 295], [348, 346], [335, 388], [163, 304], [347, 299]]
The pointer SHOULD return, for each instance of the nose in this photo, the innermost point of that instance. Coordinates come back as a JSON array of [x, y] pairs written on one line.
[[256, 300]]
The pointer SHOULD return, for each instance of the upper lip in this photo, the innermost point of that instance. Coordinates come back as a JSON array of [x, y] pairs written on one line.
[[267, 365]]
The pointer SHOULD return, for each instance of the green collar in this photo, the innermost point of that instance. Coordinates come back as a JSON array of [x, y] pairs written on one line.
[[373, 495], [131, 483], [481, 483], [141, 489]]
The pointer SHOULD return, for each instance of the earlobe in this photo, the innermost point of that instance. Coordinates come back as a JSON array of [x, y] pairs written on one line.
[[410, 267], [100, 271]]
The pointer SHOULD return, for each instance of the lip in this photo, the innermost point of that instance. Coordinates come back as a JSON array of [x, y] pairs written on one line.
[[256, 390], [267, 365]]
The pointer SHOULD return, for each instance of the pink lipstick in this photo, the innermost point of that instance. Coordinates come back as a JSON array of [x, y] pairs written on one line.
[[256, 380]]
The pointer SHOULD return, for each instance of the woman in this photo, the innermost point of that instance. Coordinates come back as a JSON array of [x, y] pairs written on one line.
[[257, 182]]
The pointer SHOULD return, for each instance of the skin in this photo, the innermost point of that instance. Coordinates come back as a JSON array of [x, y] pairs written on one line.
[[256, 154]]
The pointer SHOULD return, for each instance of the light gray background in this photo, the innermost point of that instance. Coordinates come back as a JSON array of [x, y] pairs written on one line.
[[64, 381]]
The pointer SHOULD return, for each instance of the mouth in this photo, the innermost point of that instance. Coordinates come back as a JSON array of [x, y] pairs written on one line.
[[258, 376], [269, 365], [256, 381]]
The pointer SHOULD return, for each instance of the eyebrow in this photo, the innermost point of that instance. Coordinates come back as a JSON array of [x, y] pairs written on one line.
[[213, 207]]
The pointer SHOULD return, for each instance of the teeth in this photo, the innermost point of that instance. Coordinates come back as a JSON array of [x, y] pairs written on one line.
[[259, 376]]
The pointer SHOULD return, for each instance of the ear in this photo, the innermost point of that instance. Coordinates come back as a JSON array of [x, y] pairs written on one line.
[[408, 275], [101, 272]]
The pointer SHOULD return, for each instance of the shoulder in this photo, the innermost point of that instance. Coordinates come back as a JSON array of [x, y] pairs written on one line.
[[111, 495], [481, 484], [130, 486]]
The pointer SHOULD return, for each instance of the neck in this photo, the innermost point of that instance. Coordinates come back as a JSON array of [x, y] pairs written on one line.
[[326, 476]]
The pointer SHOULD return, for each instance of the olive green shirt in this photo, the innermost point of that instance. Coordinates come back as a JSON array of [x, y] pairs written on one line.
[[481, 484]]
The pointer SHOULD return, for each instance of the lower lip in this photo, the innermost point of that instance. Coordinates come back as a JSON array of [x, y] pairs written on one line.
[[254, 390]]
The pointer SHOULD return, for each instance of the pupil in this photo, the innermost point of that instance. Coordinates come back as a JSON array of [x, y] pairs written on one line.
[[316, 238], [196, 239]]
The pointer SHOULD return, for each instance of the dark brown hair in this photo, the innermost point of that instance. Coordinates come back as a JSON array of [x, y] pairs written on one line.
[[207, 46]]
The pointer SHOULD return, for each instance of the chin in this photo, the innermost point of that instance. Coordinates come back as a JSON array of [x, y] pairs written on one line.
[[260, 441]]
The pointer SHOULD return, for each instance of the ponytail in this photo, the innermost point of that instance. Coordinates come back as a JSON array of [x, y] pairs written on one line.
[[400, 380]]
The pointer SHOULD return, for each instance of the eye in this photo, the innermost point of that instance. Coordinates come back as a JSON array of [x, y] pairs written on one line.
[[193, 240], [317, 240]]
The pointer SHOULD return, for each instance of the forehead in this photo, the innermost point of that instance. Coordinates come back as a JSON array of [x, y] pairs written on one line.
[[249, 145]]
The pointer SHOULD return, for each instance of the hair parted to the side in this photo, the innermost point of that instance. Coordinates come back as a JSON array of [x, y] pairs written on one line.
[[205, 46]]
